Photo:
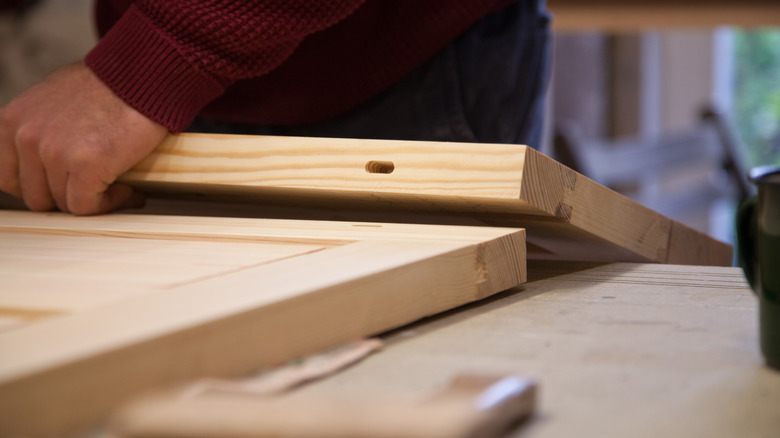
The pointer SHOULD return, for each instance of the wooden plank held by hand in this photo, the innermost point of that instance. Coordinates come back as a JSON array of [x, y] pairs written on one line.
[[567, 216]]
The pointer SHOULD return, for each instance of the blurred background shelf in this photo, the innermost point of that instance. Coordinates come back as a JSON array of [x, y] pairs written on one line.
[[621, 15]]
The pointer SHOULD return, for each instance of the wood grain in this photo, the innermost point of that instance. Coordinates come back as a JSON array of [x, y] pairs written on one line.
[[297, 287], [567, 216]]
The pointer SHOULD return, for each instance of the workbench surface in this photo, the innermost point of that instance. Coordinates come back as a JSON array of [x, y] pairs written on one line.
[[637, 350]]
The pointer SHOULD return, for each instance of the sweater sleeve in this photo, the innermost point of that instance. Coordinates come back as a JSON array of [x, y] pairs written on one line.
[[168, 59]]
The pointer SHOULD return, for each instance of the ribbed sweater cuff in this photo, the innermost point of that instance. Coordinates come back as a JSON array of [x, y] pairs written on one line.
[[144, 68]]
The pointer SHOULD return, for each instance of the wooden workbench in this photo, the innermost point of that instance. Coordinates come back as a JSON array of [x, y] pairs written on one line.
[[634, 350], [641, 350]]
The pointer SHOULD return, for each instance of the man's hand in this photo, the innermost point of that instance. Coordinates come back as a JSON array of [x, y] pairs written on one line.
[[65, 141]]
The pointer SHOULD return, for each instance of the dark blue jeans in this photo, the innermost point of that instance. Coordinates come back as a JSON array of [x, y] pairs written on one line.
[[486, 86]]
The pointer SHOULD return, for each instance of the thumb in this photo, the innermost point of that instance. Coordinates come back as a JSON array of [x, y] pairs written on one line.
[[9, 161], [119, 196], [89, 199]]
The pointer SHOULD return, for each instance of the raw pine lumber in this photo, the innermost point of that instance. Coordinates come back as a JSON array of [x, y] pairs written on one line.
[[567, 216], [295, 288]]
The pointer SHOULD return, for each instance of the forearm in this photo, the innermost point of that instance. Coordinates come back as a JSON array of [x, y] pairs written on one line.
[[169, 59]]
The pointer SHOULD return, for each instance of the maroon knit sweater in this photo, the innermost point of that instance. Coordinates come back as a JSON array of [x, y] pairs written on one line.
[[267, 61]]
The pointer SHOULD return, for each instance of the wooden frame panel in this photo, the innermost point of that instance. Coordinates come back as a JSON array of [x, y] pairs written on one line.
[[63, 372]]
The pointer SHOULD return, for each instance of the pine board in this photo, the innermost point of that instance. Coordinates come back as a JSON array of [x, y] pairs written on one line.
[[567, 216], [97, 309]]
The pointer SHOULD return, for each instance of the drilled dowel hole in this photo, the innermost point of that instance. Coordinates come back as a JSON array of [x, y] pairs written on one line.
[[380, 167]]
